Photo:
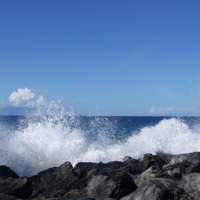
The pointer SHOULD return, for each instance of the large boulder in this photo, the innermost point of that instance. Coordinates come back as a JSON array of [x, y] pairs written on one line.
[[101, 187], [54, 181], [19, 187], [138, 168], [6, 172], [114, 185], [156, 159], [102, 181], [125, 183], [191, 184], [153, 172], [156, 189], [193, 158], [176, 170], [82, 168]]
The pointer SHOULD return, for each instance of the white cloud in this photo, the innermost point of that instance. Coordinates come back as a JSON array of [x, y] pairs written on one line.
[[25, 98], [21, 96], [35, 103]]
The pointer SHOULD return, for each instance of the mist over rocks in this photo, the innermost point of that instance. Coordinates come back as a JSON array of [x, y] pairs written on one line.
[[161, 176]]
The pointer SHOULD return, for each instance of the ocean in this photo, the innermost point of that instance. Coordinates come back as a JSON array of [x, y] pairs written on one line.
[[30, 144]]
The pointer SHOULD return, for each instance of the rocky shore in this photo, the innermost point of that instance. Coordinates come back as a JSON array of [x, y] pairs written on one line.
[[156, 177]]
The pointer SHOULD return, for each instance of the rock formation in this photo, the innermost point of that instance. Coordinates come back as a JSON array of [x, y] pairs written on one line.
[[156, 177]]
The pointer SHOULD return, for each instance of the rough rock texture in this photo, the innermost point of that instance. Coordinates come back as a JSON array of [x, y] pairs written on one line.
[[101, 187], [191, 184], [54, 181], [7, 172], [150, 190], [156, 177], [19, 187]]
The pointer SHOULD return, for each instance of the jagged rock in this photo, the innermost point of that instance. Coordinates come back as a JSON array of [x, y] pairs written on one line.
[[76, 193], [152, 172], [7, 172], [165, 156], [156, 159], [83, 168], [156, 189], [191, 184], [173, 172], [177, 169], [19, 187], [101, 176], [101, 187], [193, 158], [116, 185], [53, 181], [139, 167], [128, 160], [161, 176], [125, 183]]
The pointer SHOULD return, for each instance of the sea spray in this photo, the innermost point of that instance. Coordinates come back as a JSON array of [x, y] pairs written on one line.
[[54, 134]]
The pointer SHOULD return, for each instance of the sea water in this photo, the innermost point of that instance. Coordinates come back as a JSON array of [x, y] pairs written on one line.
[[32, 143]]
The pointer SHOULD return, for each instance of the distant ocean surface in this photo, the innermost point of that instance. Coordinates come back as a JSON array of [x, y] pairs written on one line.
[[29, 144]]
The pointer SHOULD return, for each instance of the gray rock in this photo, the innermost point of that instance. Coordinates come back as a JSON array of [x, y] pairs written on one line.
[[54, 181], [174, 172], [193, 158], [139, 167], [19, 187], [114, 185], [125, 183], [156, 159], [191, 184], [101, 187], [151, 189], [153, 172]]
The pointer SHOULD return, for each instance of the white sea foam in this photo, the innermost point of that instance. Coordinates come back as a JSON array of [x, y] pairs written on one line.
[[54, 139]]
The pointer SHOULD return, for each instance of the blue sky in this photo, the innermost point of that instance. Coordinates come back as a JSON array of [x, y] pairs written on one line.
[[103, 57]]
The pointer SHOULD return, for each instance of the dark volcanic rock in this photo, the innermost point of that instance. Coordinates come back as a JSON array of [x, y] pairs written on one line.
[[116, 185], [54, 181], [7, 172], [139, 167], [177, 169], [156, 159], [19, 187], [82, 168], [125, 183], [101, 187], [156, 177], [129, 160], [103, 181], [165, 156], [152, 172], [8, 197], [156, 189], [193, 158]]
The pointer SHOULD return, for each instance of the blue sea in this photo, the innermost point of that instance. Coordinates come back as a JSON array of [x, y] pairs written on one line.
[[32, 143]]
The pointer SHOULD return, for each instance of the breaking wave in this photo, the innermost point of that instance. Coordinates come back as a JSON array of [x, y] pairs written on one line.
[[53, 135]]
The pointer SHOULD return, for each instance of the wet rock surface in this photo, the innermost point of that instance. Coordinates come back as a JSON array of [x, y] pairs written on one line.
[[156, 177]]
